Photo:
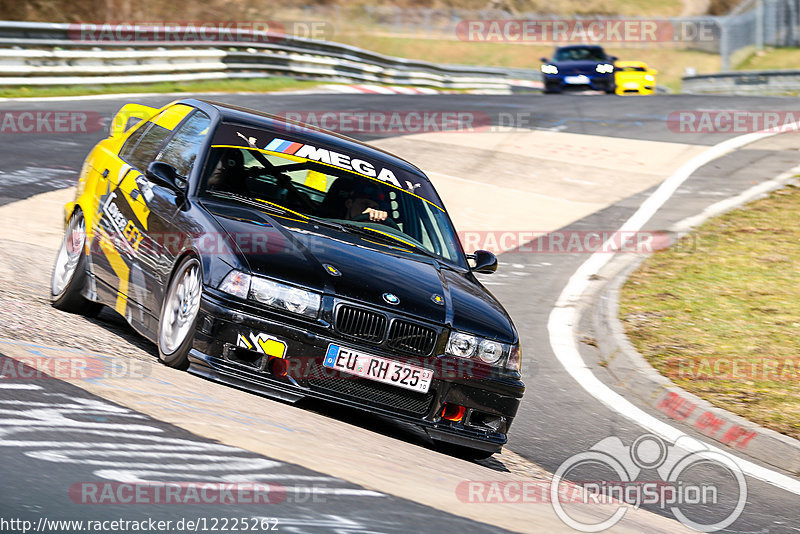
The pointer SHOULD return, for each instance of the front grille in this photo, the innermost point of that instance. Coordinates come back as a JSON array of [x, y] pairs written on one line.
[[411, 337], [376, 393], [363, 324]]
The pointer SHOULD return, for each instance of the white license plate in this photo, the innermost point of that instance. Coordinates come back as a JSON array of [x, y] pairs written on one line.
[[576, 80], [378, 369]]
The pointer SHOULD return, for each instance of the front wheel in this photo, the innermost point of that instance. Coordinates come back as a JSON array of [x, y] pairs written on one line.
[[179, 314], [69, 272]]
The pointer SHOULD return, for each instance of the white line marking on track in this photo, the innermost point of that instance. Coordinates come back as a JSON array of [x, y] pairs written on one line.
[[565, 315], [19, 386]]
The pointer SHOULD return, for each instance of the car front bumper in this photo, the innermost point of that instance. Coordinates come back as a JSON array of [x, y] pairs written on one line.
[[597, 82], [490, 400]]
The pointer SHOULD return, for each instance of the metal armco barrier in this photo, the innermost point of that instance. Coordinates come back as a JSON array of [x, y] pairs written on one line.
[[51, 54], [775, 82]]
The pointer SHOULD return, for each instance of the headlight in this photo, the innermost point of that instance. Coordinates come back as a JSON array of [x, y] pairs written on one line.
[[462, 345], [272, 294], [490, 351], [494, 353], [289, 298], [236, 283], [549, 69], [649, 77], [604, 67]]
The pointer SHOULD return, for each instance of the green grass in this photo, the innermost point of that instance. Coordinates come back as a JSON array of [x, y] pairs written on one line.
[[255, 85], [729, 293], [771, 59]]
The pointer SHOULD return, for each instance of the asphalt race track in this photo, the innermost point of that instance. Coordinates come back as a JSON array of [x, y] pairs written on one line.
[[558, 418]]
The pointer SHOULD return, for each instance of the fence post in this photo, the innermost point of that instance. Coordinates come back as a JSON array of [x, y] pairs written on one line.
[[759, 38], [724, 48]]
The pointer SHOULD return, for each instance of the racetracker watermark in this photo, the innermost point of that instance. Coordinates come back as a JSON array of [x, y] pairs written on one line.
[[392, 121], [180, 493], [243, 32], [352, 368], [413, 121], [133, 240], [736, 121], [745, 369], [51, 121], [514, 492], [70, 367], [565, 241], [704, 489], [611, 30]]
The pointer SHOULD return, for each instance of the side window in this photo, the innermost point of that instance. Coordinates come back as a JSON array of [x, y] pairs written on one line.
[[141, 149], [132, 141], [181, 151]]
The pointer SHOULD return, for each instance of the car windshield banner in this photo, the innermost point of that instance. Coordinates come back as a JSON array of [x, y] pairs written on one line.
[[331, 158]]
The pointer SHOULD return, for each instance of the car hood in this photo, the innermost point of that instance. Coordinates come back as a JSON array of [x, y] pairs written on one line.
[[300, 252], [634, 75]]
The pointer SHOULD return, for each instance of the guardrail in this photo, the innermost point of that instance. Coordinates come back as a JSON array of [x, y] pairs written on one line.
[[766, 82], [50, 54]]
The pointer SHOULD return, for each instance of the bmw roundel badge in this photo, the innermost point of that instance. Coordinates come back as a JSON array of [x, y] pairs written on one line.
[[391, 298]]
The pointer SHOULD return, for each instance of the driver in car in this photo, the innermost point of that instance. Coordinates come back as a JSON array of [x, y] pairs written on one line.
[[366, 199]]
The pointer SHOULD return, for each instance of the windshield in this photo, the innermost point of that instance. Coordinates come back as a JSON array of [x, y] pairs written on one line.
[[580, 54], [319, 186]]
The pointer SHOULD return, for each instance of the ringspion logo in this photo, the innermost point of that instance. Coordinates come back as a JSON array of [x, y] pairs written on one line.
[[610, 472]]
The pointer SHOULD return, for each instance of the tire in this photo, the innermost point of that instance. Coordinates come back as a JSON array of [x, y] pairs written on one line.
[[179, 312], [69, 271]]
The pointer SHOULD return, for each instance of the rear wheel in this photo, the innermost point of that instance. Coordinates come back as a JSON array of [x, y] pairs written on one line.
[[179, 314], [69, 272]]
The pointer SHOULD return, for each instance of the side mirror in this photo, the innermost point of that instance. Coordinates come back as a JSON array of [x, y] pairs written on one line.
[[485, 262], [165, 175], [544, 60], [128, 116], [612, 58]]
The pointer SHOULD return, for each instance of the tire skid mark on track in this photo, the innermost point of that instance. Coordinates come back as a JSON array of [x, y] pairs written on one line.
[[121, 446], [85, 438]]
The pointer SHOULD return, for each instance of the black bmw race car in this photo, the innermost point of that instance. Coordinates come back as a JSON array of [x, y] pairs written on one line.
[[293, 262]]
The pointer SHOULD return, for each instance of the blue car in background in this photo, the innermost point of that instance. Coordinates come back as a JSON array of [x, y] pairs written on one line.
[[579, 67]]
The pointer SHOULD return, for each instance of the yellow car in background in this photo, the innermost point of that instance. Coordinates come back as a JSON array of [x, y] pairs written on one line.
[[634, 77]]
